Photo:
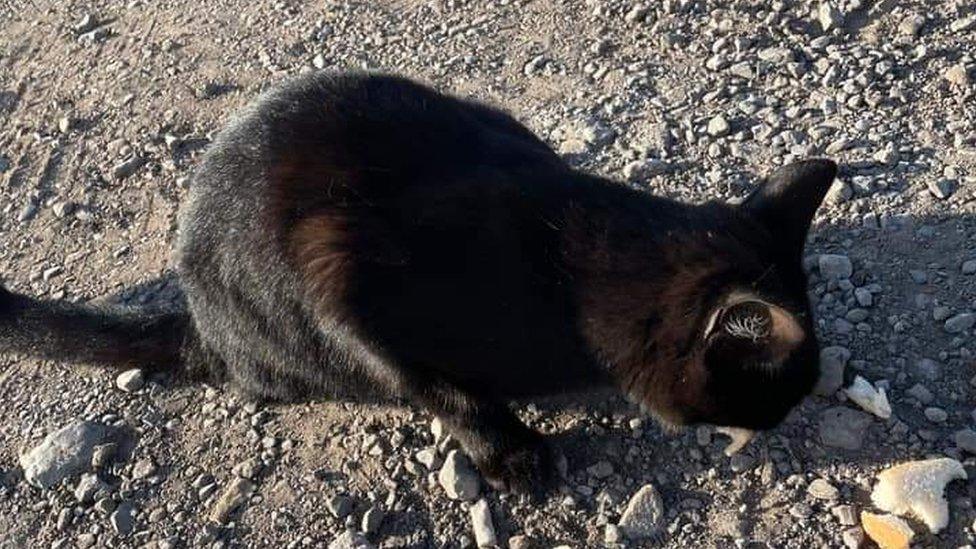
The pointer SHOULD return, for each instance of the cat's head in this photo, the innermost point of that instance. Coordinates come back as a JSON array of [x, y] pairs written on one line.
[[734, 343]]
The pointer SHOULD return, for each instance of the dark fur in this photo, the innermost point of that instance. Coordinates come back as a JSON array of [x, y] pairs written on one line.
[[351, 229]]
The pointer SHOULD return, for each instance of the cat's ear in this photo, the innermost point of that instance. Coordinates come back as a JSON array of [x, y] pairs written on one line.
[[750, 330], [786, 202]]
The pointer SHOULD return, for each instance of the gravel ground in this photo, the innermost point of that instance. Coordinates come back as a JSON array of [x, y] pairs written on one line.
[[105, 107]]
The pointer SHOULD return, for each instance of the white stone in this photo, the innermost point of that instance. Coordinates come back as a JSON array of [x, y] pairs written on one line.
[[917, 488], [644, 513]]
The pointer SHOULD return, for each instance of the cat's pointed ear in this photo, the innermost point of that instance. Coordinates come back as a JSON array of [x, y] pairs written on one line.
[[787, 201], [751, 330]]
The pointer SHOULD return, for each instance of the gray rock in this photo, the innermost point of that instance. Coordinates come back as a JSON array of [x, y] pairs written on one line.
[[373, 520], [65, 453], [911, 25], [942, 188], [86, 24], [130, 381], [718, 126], [833, 360], [232, 497], [829, 16], [123, 518], [842, 427], [928, 369], [920, 393], [643, 516], [966, 440], [936, 415], [821, 489], [128, 167], [482, 524], [835, 266], [143, 468], [350, 540], [88, 485], [458, 477], [960, 323], [969, 267], [103, 454], [340, 506], [864, 297]]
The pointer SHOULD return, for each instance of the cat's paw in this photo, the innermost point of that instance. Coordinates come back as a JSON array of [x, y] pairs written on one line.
[[528, 469]]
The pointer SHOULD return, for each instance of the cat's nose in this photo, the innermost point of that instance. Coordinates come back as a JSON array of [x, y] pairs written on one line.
[[740, 438]]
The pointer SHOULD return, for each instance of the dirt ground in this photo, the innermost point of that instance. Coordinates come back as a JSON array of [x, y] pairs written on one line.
[[105, 107]]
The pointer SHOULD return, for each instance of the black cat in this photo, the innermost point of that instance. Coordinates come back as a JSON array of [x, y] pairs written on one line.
[[360, 228]]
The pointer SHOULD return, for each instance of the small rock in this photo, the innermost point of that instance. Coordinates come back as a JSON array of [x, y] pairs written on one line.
[[920, 393], [143, 468], [911, 25], [340, 506], [481, 523], [123, 518], [103, 454], [833, 360], [929, 369], [65, 453], [869, 398], [960, 323], [835, 266], [936, 415], [233, 496], [372, 520], [957, 75], [458, 477], [718, 126], [846, 514], [350, 540], [966, 440], [942, 188], [968, 267], [87, 23], [128, 167], [643, 515], [130, 381], [888, 531], [829, 16], [821, 489], [63, 209], [853, 537], [88, 486], [842, 427], [521, 542]]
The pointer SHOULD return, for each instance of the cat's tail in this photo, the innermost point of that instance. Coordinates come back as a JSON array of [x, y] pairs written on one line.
[[89, 334]]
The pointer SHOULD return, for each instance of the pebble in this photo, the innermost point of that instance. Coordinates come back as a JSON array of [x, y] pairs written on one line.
[[718, 126], [643, 516], [821, 489], [968, 267], [833, 360], [853, 537], [372, 520], [928, 369], [918, 488], [65, 453], [88, 485], [936, 415], [481, 523], [846, 514], [942, 188], [835, 266], [130, 381], [232, 497], [340, 506], [920, 393], [965, 439], [128, 167], [143, 468], [911, 25], [829, 16], [957, 75], [842, 427], [521, 542], [458, 477], [123, 518], [960, 323], [350, 540]]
